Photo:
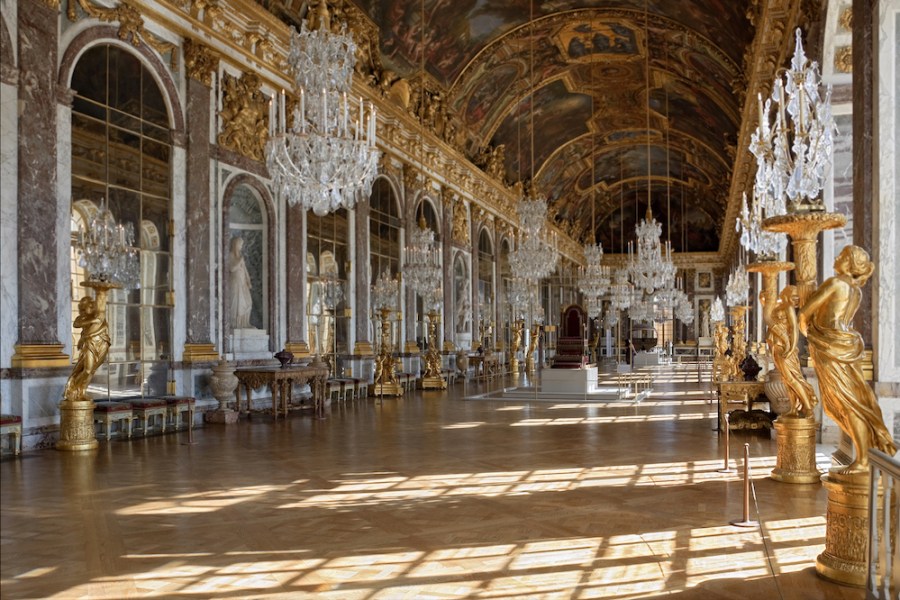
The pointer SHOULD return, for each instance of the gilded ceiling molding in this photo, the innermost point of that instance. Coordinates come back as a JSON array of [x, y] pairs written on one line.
[[244, 116], [843, 59], [131, 24], [200, 62]]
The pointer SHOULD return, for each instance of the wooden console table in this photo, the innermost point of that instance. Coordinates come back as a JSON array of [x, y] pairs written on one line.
[[488, 364], [281, 381], [744, 392]]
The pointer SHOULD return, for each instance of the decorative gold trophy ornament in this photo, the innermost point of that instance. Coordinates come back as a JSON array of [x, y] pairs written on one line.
[[107, 254], [837, 349], [796, 459]]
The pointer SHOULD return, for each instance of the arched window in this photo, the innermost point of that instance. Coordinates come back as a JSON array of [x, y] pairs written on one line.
[[327, 262], [485, 279], [121, 151], [384, 229]]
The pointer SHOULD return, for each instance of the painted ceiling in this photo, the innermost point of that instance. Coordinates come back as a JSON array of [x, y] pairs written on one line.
[[566, 93]]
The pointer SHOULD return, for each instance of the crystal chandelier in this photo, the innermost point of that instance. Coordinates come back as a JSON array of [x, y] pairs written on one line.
[[717, 311], [793, 153], [621, 292], [684, 311], [593, 279], [737, 290], [534, 258], [650, 266], [385, 292], [106, 250], [326, 157], [642, 309], [765, 244], [422, 267]]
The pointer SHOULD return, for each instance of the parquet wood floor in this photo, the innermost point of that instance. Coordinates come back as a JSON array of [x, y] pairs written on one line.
[[427, 496]]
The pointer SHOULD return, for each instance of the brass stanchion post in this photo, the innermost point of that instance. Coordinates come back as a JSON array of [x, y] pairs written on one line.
[[745, 520], [727, 468]]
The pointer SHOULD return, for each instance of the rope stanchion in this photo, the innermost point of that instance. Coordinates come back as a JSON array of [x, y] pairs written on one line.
[[745, 520], [727, 468], [190, 441]]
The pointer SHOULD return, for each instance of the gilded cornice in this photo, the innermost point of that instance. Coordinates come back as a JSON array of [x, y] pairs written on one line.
[[770, 50], [200, 62], [131, 24]]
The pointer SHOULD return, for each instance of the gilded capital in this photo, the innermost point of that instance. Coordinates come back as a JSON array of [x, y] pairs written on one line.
[[200, 62]]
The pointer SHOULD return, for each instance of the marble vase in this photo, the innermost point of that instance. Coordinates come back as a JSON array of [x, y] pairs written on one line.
[[223, 383], [776, 392]]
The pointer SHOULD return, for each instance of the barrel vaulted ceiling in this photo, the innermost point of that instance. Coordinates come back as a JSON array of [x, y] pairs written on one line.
[[566, 94]]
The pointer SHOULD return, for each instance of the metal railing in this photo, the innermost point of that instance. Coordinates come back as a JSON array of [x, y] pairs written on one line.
[[883, 579]]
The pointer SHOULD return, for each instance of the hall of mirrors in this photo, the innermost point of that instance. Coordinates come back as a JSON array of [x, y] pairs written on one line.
[[632, 214]]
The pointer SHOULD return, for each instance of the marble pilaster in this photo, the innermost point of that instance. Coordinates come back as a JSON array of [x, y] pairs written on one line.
[[197, 216], [363, 278], [863, 142], [9, 297], [38, 205], [474, 224], [295, 258], [447, 261]]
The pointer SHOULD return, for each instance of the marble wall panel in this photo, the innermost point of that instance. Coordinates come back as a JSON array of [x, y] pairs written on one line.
[[295, 259], [179, 247], [9, 273], [37, 174], [363, 278], [197, 213], [64, 226]]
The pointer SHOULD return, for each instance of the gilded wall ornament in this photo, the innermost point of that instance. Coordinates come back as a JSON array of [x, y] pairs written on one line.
[[200, 62], [843, 59], [244, 115], [845, 19], [131, 24], [460, 232]]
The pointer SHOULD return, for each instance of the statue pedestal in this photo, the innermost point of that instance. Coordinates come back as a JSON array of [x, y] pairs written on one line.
[[251, 343], [76, 426], [796, 460], [435, 382], [846, 529], [385, 389], [226, 416]]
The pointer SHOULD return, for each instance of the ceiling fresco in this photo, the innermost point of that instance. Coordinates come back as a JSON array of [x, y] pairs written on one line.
[[579, 71]]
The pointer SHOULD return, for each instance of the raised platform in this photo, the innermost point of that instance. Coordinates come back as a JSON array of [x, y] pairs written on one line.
[[575, 381]]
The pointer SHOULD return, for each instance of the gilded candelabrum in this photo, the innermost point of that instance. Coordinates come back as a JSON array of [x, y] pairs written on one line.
[[532, 346], [826, 319], [769, 270], [386, 382], [518, 328], [433, 379], [76, 425]]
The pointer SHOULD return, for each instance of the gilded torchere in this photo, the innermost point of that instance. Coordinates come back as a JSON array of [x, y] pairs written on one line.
[[720, 362], [517, 332], [796, 429], [433, 378], [76, 426], [532, 346], [386, 382], [837, 350], [738, 343]]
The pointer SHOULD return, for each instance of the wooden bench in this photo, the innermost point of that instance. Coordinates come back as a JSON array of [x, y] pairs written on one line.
[[146, 409], [176, 405], [12, 425], [108, 413]]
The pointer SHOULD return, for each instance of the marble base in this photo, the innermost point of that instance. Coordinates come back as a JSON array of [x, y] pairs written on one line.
[[646, 359], [705, 342], [569, 381], [251, 341], [226, 416]]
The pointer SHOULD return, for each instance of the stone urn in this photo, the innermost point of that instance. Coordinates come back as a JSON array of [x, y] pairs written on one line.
[[776, 392], [462, 361], [223, 382]]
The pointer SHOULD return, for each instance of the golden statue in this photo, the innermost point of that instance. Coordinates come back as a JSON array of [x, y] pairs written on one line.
[[837, 350], [93, 345], [720, 363], [517, 332], [782, 339]]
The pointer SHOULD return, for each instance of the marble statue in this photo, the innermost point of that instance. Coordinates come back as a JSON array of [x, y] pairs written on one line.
[[241, 299], [464, 308], [93, 346], [782, 339], [837, 349], [704, 324]]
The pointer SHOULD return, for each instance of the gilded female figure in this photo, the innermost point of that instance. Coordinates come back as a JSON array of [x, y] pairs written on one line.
[[782, 339], [837, 350], [93, 346]]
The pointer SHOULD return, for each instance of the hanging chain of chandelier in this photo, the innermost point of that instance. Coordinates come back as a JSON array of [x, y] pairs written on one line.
[[323, 157]]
